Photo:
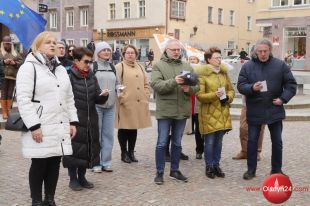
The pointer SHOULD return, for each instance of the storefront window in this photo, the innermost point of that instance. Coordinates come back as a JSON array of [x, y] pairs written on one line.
[[295, 43], [143, 47]]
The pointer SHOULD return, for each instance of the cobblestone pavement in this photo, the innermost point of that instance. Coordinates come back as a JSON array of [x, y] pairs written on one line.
[[132, 184]]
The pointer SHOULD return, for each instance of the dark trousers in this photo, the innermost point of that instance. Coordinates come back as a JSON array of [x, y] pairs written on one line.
[[7, 89], [127, 136], [43, 170], [275, 130], [77, 173], [199, 140]]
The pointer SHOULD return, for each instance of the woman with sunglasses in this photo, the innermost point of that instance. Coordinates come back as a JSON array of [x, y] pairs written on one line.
[[87, 94], [133, 102]]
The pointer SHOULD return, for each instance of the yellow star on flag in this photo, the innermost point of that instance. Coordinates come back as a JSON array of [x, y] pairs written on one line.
[[2, 12], [22, 5], [17, 15], [21, 12], [11, 15]]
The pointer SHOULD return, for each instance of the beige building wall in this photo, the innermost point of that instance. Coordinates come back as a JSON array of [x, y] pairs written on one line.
[[287, 26], [155, 14], [215, 34]]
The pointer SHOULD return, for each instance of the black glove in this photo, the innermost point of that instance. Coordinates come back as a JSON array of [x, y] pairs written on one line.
[[223, 101]]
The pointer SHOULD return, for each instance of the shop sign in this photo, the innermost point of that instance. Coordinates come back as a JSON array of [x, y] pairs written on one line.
[[121, 33]]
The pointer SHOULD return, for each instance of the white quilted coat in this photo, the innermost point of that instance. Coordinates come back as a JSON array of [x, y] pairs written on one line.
[[54, 92]]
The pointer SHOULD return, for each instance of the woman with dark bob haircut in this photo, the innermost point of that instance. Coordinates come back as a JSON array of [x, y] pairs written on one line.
[[215, 95], [87, 93]]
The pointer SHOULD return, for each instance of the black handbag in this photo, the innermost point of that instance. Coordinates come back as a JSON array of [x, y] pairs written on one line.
[[14, 121], [67, 160]]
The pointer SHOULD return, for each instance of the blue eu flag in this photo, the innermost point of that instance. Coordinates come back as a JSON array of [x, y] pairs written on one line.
[[20, 19]]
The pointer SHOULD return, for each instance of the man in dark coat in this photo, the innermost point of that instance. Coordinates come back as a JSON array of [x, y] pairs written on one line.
[[267, 83]]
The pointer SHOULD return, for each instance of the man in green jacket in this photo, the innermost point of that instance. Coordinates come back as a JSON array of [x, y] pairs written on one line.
[[173, 107]]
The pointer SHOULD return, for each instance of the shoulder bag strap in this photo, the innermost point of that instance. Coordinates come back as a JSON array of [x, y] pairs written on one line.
[[34, 84]]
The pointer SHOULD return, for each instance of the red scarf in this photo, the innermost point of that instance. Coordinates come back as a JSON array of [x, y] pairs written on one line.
[[83, 73]]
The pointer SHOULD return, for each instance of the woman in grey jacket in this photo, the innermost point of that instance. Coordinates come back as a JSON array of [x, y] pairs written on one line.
[[106, 75]]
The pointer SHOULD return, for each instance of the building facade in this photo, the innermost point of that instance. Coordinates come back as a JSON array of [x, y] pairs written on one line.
[[71, 20], [134, 22], [286, 24], [229, 25]]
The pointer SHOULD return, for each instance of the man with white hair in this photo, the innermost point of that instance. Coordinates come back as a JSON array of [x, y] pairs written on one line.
[[173, 107], [267, 83]]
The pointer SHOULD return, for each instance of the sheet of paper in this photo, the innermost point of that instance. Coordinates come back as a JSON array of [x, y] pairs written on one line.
[[222, 89], [264, 84]]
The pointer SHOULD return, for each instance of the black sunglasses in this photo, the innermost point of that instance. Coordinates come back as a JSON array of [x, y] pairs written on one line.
[[88, 61]]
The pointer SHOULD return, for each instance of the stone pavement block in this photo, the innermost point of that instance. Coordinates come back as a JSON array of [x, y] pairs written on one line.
[[132, 184]]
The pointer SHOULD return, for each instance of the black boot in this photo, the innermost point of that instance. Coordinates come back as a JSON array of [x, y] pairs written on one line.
[[85, 183], [132, 156], [75, 185], [210, 172], [125, 157], [49, 201], [218, 172], [36, 202], [183, 156]]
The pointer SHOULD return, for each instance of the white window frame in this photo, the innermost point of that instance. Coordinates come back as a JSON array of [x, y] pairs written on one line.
[[53, 20], [84, 17], [70, 19], [112, 13], [126, 6], [141, 8], [249, 23], [220, 16], [303, 3], [210, 14], [279, 3], [232, 18], [178, 9], [229, 43], [70, 41], [84, 40]]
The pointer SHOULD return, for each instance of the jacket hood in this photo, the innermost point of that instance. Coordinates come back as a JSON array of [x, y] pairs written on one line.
[[164, 57], [206, 70]]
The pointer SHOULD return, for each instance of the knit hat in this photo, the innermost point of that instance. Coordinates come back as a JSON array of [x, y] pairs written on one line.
[[101, 46]]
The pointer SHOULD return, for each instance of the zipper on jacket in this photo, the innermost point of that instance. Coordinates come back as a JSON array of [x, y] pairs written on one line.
[[88, 124], [219, 100]]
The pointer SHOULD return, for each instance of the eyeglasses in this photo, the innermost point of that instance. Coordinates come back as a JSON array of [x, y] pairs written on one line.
[[217, 57], [175, 50], [88, 61], [130, 53]]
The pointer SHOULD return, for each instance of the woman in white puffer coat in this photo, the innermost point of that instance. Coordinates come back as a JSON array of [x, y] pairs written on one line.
[[52, 127]]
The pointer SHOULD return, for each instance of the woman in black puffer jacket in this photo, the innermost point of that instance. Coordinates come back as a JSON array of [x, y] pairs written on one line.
[[87, 93]]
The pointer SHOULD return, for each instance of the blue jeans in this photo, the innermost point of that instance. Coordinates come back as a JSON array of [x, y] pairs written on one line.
[[213, 148], [177, 128], [106, 117], [275, 130]]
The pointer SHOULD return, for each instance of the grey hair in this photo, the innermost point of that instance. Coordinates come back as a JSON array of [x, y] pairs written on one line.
[[264, 42], [170, 41], [61, 42]]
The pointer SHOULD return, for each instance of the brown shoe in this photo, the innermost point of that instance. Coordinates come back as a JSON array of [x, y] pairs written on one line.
[[240, 156]]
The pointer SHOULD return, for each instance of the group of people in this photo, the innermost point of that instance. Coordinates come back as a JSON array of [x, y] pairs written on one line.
[[83, 103]]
